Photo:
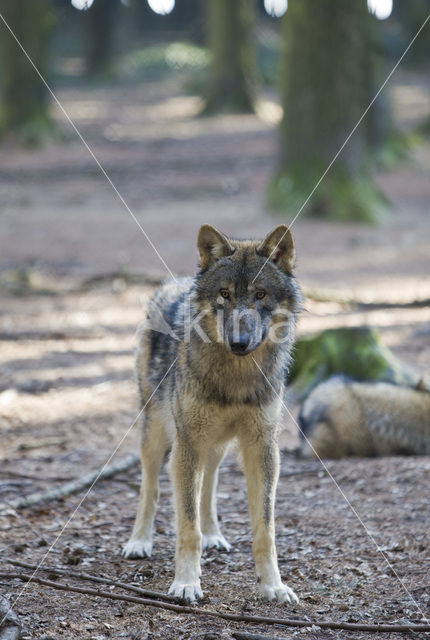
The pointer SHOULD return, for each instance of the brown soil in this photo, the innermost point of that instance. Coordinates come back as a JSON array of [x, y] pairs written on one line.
[[67, 396]]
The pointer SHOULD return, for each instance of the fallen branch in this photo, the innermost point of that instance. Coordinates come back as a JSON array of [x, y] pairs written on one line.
[[68, 488], [147, 278], [26, 476], [303, 472], [35, 334], [10, 627], [41, 443], [98, 579], [242, 635], [323, 295], [286, 622]]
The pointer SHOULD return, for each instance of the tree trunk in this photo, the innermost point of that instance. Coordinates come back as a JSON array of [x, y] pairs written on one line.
[[233, 58], [329, 80], [24, 99], [406, 19], [101, 17]]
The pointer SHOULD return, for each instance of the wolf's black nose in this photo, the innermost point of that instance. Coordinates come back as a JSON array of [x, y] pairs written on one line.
[[240, 346]]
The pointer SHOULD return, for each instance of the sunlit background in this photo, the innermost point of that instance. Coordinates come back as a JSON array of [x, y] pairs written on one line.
[[275, 8], [124, 126]]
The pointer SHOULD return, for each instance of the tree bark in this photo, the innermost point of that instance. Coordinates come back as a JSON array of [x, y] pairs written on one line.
[[24, 100], [101, 17], [232, 75], [329, 80]]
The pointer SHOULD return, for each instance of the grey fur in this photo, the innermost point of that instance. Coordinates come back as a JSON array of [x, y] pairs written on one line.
[[215, 393], [343, 417]]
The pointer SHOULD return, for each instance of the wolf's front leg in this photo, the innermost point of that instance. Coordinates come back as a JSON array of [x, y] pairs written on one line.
[[261, 460], [187, 481]]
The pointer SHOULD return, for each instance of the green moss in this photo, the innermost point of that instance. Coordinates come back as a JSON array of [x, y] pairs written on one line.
[[154, 60], [397, 148], [37, 129], [353, 351], [339, 197], [424, 127], [26, 282]]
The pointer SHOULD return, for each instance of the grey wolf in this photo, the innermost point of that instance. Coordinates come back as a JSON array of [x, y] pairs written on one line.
[[242, 304], [342, 417]]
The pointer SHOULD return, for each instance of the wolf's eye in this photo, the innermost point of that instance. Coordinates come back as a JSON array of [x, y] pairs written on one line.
[[260, 295], [225, 293]]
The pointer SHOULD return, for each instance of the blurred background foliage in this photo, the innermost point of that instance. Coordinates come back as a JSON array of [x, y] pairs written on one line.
[[321, 61]]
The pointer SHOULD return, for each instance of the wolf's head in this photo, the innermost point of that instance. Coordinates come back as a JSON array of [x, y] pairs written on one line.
[[246, 289]]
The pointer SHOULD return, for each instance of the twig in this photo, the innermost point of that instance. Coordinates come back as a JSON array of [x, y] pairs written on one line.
[[324, 624], [303, 472], [76, 485], [10, 627], [101, 580], [423, 586], [52, 441], [242, 635]]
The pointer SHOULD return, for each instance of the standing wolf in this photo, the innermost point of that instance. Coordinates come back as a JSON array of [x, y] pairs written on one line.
[[224, 379]]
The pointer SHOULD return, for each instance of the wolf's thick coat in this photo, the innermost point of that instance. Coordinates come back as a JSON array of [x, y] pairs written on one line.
[[202, 385], [343, 417]]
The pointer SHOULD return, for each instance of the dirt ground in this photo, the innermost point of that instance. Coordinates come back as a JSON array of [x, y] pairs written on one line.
[[67, 396]]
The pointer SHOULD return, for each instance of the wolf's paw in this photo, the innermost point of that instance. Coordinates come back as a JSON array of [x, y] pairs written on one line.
[[217, 540], [188, 592], [281, 593], [137, 549]]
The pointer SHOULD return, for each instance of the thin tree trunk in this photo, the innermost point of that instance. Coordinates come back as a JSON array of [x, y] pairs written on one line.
[[232, 76], [101, 17]]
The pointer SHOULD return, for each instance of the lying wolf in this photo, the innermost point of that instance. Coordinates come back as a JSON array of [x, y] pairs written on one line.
[[213, 372], [341, 417]]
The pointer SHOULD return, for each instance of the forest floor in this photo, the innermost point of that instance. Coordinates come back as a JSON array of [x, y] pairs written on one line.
[[68, 316]]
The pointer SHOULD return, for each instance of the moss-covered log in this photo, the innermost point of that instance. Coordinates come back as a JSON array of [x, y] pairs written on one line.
[[356, 352], [233, 68], [329, 78]]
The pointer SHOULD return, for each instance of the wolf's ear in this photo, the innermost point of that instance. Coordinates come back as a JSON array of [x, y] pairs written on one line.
[[212, 245], [278, 246]]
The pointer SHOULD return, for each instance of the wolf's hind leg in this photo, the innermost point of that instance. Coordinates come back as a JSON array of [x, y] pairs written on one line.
[[211, 533], [154, 445]]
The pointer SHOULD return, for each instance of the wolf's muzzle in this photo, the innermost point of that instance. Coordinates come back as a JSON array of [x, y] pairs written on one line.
[[240, 346]]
